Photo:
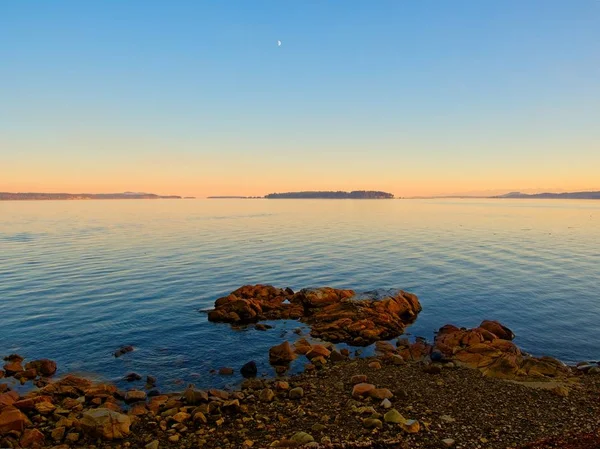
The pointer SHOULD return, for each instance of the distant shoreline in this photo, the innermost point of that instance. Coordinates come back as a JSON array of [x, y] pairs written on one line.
[[33, 196]]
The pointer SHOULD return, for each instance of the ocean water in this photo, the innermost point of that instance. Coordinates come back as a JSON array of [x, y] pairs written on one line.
[[79, 279]]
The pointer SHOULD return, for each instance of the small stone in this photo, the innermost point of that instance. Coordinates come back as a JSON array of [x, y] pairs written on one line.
[[266, 395], [200, 417], [132, 377], [181, 417], [362, 389], [371, 423], [45, 408], [561, 391], [248, 443], [447, 418], [73, 437], [174, 438], [225, 371], [386, 403], [32, 438], [396, 359], [381, 393], [374, 365], [411, 426], [296, 393], [318, 427], [152, 445], [58, 433], [358, 379], [594, 371], [448, 442], [393, 416], [124, 350], [432, 369], [302, 438]]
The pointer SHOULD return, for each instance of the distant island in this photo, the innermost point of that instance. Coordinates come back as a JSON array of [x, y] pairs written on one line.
[[233, 197], [355, 194], [567, 195], [7, 196]]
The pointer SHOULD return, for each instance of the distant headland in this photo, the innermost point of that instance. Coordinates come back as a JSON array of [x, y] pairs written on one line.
[[567, 195], [355, 194], [7, 196]]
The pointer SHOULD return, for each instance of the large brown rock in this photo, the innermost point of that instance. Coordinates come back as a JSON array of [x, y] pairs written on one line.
[[43, 367], [482, 348], [281, 354], [104, 423], [32, 438], [8, 398], [11, 419], [334, 315]]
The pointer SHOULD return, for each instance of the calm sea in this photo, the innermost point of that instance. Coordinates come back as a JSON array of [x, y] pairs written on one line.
[[79, 279]]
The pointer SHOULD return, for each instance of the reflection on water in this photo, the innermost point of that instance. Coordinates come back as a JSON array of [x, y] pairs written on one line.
[[78, 279]]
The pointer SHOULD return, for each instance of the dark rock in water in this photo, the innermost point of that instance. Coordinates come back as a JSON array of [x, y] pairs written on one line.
[[14, 358], [124, 350], [132, 377], [249, 370], [262, 327], [151, 380], [225, 371], [44, 367], [497, 329]]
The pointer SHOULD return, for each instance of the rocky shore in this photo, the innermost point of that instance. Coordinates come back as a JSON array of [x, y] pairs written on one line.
[[468, 389]]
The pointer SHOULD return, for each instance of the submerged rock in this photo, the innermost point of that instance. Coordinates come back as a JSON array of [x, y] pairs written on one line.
[[249, 370]]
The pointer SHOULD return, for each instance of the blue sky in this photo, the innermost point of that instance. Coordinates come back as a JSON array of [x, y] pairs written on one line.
[[196, 97]]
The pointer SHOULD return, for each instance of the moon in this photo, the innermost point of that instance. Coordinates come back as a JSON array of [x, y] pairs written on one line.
[[279, 43]]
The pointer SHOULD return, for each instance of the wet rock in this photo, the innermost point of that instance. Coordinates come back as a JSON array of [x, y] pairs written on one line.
[[12, 368], [262, 327], [497, 329], [150, 381], [302, 346], [44, 367], [8, 398], [44, 408], [318, 351], [219, 394], [123, 350], [225, 371], [337, 356], [281, 354], [249, 370], [105, 424], [132, 377], [296, 393]]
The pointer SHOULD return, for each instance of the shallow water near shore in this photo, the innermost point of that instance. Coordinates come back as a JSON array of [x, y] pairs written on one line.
[[79, 279]]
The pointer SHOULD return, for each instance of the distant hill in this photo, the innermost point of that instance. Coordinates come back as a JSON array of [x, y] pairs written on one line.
[[567, 195], [356, 194], [233, 197], [7, 196]]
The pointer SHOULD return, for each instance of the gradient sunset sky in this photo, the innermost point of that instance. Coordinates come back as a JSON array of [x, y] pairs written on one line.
[[196, 98]]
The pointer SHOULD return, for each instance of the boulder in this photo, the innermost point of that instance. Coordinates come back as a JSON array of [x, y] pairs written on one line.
[[123, 350], [249, 370], [281, 354], [12, 368], [44, 367], [499, 330], [32, 438], [135, 396], [12, 419], [105, 424], [318, 351], [302, 346]]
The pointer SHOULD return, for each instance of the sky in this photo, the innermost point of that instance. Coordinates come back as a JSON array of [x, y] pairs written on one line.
[[196, 98]]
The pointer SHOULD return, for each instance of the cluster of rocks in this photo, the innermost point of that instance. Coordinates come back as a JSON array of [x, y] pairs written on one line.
[[36, 370], [334, 315]]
